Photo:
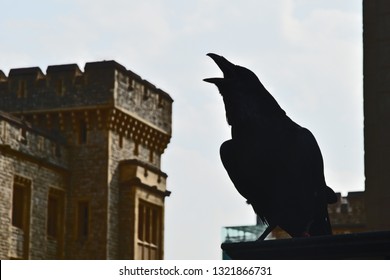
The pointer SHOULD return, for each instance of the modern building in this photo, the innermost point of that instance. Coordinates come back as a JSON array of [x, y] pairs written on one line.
[[80, 157]]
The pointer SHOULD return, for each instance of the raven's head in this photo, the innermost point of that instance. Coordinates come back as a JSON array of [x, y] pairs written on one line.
[[235, 77], [243, 94]]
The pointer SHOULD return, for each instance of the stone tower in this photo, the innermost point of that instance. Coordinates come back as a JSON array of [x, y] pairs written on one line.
[[376, 70], [108, 202]]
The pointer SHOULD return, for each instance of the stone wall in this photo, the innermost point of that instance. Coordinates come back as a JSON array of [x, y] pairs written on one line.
[[88, 182], [85, 125], [32, 159]]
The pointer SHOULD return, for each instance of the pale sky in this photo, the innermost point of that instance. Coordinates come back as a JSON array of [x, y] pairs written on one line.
[[307, 53]]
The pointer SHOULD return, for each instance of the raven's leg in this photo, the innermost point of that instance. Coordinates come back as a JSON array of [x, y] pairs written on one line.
[[266, 232]]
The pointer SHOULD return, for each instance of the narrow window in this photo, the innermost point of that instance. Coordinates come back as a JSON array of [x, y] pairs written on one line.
[[60, 87], [53, 213], [18, 206], [120, 141], [22, 89], [21, 202], [160, 103], [149, 230], [41, 143], [57, 150], [131, 85], [147, 225], [23, 136], [82, 132], [141, 215], [146, 95], [136, 150], [83, 219], [149, 221], [155, 219], [4, 134]]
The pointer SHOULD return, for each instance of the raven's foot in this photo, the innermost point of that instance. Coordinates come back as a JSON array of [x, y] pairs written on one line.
[[265, 233]]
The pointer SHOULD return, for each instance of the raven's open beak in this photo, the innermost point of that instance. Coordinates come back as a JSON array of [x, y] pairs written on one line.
[[226, 67]]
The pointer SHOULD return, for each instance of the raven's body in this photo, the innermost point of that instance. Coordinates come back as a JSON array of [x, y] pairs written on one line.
[[272, 161]]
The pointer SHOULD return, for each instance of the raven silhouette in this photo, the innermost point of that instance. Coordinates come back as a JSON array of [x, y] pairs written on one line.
[[273, 162]]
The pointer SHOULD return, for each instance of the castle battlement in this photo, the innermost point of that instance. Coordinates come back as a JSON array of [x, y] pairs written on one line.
[[102, 84], [18, 137]]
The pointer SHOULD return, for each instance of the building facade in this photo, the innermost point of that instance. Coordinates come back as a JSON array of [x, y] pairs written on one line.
[[80, 158], [349, 213]]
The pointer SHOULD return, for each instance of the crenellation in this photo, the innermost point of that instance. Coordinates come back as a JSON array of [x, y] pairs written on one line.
[[105, 83], [69, 71], [63, 79], [3, 77]]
